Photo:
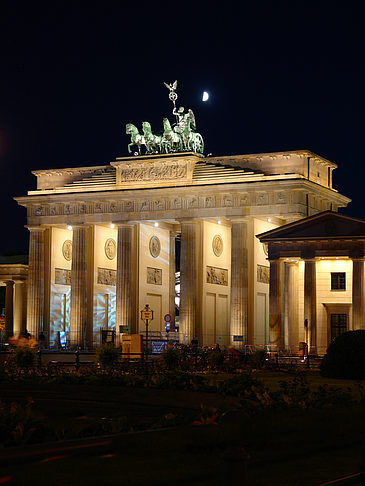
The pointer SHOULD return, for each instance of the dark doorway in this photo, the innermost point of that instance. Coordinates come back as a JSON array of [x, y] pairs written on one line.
[[338, 325]]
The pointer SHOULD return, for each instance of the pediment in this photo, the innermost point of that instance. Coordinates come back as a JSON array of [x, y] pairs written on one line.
[[326, 225]]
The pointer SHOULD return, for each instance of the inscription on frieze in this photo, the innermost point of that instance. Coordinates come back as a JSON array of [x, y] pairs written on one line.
[[217, 276], [107, 276], [263, 274], [154, 276], [173, 171], [62, 276]]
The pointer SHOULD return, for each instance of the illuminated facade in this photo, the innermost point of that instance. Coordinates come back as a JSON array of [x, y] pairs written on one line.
[[102, 242]]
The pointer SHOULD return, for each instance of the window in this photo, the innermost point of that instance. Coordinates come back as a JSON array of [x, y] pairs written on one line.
[[338, 281], [338, 325]]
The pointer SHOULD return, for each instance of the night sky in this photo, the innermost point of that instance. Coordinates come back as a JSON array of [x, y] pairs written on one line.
[[281, 76]]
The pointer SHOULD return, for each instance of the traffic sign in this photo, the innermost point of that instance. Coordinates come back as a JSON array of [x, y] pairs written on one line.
[[167, 318], [147, 313]]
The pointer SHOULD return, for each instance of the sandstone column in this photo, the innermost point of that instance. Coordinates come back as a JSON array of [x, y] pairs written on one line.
[[78, 286], [172, 267], [19, 306], [291, 304], [188, 280], [358, 294], [310, 303], [125, 283], [9, 308], [239, 281], [275, 310], [35, 286]]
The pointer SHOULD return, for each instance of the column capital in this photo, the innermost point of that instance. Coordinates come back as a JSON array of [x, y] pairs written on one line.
[[35, 228], [124, 224]]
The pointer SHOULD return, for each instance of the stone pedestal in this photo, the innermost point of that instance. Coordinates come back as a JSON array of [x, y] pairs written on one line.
[[125, 282], [9, 308], [291, 305], [78, 287], [239, 281], [358, 294], [35, 287], [188, 280], [310, 304], [275, 312]]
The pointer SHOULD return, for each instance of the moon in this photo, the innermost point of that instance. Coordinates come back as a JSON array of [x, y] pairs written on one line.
[[205, 96]]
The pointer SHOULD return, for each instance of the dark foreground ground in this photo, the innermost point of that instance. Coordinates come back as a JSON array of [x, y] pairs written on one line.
[[277, 447]]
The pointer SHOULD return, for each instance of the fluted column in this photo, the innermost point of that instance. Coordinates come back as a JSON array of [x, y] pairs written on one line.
[[9, 308], [310, 303], [188, 279], [19, 307], [291, 303], [172, 267], [239, 281], [124, 287], [35, 287], [358, 294], [275, 309], [78, 286]]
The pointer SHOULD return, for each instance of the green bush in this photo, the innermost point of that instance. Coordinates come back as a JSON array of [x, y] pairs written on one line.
[[24, 357], [215, 359], [170, 358], [258, 359], [345, 356], [107, 355]]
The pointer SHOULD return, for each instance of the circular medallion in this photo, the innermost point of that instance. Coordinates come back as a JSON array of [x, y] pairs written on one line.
[[67, 250], [155, 246], [110, 248], [217, 245]]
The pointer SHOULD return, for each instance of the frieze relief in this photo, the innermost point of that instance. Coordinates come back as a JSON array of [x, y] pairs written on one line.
[[39, 211], [129, 206], [154, 276], [227, 200], [62, 276], [192, 202], [98, 207], [144, 205], [176, 203], [244, 200], [82, 208], [107, 276], [262, 198], [173, 171], [217, 276], [280, 198], [210, 202], [68, 209], [53, 210], [159, 204], [113, 207]]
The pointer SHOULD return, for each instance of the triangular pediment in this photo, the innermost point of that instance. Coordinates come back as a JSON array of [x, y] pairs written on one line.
[[326, 225]]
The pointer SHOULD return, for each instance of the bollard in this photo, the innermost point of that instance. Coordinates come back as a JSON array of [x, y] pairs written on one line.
[[77, 359], [39, 355]]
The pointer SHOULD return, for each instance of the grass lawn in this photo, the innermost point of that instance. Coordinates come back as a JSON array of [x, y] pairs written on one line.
[[285, 447]]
